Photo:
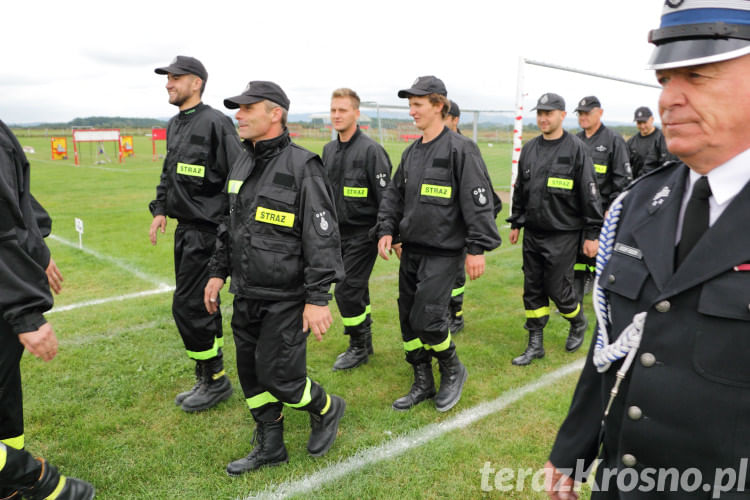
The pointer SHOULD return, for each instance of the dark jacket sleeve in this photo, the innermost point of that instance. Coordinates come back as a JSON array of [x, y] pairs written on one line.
[[588, 195], [219, 265], [636, 162], [517, 218], [321, 242], [391, 208], [379, 168], [228, 146], [476, 202], [621, 172]]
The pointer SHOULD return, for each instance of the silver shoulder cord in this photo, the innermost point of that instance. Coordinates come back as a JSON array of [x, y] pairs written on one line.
[[627, 343]]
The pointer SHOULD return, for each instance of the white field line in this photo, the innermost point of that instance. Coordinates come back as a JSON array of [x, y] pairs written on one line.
[[58, 163], [112, 260], [416, 438], [162, 289]]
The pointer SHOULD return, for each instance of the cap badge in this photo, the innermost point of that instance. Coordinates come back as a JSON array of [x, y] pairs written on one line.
[[583, 102], [247, 88], [415, 82], [174, 61], [544, 99]]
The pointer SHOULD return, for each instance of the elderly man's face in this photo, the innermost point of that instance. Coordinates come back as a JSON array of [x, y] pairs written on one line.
[[704, 111]]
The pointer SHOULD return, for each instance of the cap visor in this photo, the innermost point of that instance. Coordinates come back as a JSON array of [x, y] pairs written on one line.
[[170, 69], [412, 92], [694, 52], [234, 102]]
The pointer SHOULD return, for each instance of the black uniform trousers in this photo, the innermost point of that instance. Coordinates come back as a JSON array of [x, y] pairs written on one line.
[[11, 399], [457, 294], [19, 469], [548, 259], [272, 357], [424, 291], [352, 294], [201, 332]]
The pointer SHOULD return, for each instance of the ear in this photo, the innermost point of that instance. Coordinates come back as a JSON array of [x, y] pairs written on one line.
[[276, 114], [197, 83]]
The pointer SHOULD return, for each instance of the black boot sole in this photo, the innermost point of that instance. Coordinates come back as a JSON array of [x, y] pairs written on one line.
[[415, 404], [269, 464], [222, 397]]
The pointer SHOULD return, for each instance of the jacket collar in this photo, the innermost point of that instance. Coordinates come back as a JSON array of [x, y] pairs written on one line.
[[343, 145], [186, 114], [270, 147]]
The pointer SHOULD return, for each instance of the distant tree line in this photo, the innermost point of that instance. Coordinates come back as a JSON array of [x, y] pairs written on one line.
[[104, 122]]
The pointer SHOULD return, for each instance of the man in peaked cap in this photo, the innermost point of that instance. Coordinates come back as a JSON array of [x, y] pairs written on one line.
[[444, 210], [648, 148], [555, 200], [281, 246], [201, 144], [675, 283]]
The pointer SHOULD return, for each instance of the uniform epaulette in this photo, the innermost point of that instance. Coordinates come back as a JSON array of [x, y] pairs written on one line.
[[666, 166]]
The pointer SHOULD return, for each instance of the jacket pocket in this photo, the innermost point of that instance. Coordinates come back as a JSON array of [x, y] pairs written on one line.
[[436, 187], [624, 275], [560, 181], [273, 262], [276, 210]]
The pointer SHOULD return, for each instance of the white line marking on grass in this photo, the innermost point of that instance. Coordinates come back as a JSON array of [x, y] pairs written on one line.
[[162, 289], [411, 440], [111, 260]]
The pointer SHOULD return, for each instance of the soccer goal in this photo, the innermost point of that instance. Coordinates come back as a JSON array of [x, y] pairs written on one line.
[[96, 139]]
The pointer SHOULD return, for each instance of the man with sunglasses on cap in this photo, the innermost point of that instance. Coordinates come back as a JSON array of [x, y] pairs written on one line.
[[555, 201], [359, 171], [611, 160], [648, 148], [438, 205], [201, 144], [281, 246], [665, 391]]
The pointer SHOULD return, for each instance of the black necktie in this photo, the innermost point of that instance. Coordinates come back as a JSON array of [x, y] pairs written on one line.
[[696, 219]]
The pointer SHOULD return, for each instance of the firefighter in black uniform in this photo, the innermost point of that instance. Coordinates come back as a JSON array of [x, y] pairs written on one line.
[[609, 153], [201, 143], [24, 297], [555, 200], [359, 170], [648, 148], [282, 249], [438, 204], [678, 272]]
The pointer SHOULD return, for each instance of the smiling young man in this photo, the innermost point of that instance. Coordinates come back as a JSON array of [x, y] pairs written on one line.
[[201, 144], [555, 200], [281, 247], [359, 170], [438, 205]]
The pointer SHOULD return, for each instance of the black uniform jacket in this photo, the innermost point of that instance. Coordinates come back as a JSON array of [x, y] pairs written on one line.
[[24, 289], [281, 240], [555, 188], [611, 163], [440, 199], [359, 172], [686, 399], [201, 145], [648, 153]]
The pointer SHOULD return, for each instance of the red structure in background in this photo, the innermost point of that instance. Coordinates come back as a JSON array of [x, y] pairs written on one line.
[[157, 134]]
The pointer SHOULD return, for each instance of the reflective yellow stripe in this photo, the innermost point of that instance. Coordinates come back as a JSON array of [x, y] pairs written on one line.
[[203, 355], [3, 455], [572, 314], [556, 182], [600, 169], [233, 187], [220, 342], [356, 320], [261, 399], [191, 170], [445, 344], [57, 490], [328, 405], [435, 190], [305, 397], [217, 376], [269, 216], [457, 291], [580, 267], [14, 442], [459, 313], [355, 192], [413, 345], [538, 313]]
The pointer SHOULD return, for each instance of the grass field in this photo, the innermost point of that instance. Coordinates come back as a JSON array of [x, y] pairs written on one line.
[[103, 409]]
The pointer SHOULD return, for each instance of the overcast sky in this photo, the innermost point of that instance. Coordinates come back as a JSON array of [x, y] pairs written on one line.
[[63, 60]]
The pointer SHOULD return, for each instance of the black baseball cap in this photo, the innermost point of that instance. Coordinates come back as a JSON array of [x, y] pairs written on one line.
[[184, 65], [257, 91], [588, 103], [454, 110], [424, 85], [550, 102], [642, 114]]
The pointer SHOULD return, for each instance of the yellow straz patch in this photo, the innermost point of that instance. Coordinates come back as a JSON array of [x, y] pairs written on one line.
[[191, 170], [600, 169], [233, 187], [269, 216], [437, 191], [556, 182], [355, 192]]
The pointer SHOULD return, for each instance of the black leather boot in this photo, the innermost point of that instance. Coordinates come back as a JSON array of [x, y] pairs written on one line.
[[214, 387], [576, 332], [356, 354], [453, 374], [58, 487], [534, 350], [368, 341], [198, 377], [422, 388], [269, 449], [323, 428]]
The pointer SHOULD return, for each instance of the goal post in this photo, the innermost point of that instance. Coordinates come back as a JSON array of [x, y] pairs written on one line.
[[98, 136]]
